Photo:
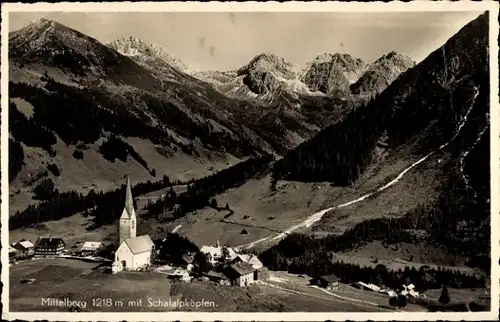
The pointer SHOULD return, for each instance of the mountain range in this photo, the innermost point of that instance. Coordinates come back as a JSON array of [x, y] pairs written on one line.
[[138, 91], [289, 142]]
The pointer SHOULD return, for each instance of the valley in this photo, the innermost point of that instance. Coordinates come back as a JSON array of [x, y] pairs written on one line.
[[374, 172]]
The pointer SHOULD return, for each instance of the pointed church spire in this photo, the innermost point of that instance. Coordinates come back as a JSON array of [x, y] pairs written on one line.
[[129, 201]]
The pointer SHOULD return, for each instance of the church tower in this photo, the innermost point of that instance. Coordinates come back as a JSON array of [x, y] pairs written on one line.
[[128, 221]]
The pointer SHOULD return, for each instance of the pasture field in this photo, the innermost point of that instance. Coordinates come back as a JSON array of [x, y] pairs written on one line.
[[74, 280]]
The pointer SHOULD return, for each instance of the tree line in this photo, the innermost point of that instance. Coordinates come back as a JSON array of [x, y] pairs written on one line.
[[318, 262], [16, 158], [58, 108], [105, 207], [199, 192], [427, 101], [114, 148]]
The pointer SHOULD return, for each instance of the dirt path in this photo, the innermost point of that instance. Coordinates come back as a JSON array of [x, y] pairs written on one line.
[[341, 299]]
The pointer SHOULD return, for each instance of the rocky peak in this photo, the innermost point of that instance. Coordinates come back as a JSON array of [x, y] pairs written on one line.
[[135, 47], [382, 73], [266, 72], [40, 32], [270, 63], [332, 72]]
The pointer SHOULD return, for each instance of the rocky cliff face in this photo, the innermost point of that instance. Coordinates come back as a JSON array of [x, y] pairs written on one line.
[[381, 74], [265, 73], [332, 72], [136, 48]]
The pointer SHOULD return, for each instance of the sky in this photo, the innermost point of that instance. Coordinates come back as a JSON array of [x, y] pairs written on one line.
[[227, 41]]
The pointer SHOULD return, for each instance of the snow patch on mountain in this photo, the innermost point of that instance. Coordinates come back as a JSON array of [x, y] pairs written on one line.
[[135, 47]]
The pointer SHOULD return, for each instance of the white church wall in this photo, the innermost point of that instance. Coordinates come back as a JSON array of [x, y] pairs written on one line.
[[141, 260], [123, 253]]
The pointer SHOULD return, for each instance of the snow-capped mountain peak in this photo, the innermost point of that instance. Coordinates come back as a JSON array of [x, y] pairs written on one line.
[[135, 47], [271, 63]]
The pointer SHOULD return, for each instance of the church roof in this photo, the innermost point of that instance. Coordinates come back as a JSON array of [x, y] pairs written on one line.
[[129, 202], [139, 244]]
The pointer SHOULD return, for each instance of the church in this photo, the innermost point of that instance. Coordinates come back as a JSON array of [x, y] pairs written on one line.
[[133, 253]]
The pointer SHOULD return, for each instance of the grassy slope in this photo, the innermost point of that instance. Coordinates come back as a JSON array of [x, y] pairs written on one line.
[[294, 202], [93, 169], [67, 275]]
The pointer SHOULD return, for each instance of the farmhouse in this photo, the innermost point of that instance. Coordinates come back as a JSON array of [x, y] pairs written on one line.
[[217, 278], [214, 253], [25, 248], [178, 274], [13, 254], [91, 248], [240, 274], [49, 246], [260, 272], [367, 286], [330, 282], [187, 261], [134, 253]]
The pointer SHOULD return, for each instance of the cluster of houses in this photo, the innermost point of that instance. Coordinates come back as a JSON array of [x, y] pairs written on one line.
[[332, 282], [43, 247], [49, 247], [136, 253], [239, 270]]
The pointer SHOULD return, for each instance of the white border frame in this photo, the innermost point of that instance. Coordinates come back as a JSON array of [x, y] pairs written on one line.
[[293, 6]]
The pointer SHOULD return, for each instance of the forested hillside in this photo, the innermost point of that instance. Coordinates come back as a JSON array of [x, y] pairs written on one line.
[[78, 103], [441, 106], [433, 97]]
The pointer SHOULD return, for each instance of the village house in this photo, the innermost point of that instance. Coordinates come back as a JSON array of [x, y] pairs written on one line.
[[25, 248], [49, 246], [187, 261], [178, 274], [240, 274], [13, 254], [367, 286], [134, 253], [217, 277], [214, 253], [91, 248], [260, 272], [330, 282]]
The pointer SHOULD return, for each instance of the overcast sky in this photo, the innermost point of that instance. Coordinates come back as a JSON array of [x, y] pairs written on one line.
[[225, 41]]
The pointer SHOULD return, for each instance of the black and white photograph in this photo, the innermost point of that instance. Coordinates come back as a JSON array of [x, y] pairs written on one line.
[[329, 160]]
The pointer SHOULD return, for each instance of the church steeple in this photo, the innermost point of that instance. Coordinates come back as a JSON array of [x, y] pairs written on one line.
[[129, 201], [128, 219]]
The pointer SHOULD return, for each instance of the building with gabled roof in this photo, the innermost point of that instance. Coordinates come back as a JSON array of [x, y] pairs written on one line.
[[328, 281], [91, 248], [241, 274], [260, 272], [49, 246], [135, 253], [13, 254], [215, 253], [25, 248]]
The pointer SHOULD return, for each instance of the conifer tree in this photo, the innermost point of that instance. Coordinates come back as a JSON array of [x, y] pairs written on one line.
[[445, 297]]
